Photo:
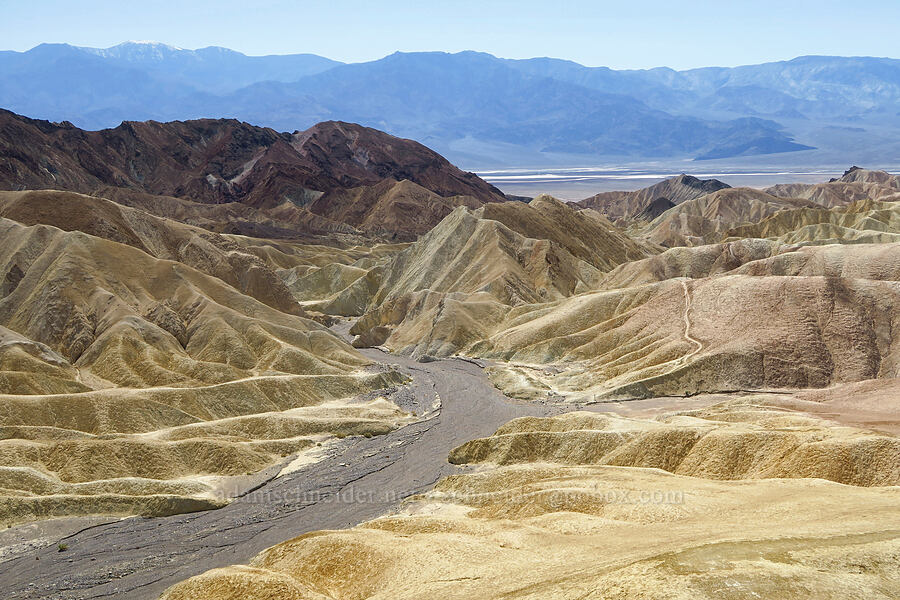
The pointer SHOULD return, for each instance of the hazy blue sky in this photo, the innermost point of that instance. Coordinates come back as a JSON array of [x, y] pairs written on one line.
[[622, 34]]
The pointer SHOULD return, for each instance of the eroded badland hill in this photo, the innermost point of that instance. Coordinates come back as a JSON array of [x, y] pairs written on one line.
[[687, 391]]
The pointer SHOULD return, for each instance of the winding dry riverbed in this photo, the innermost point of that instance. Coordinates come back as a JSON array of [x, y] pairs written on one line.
[[359, 479]]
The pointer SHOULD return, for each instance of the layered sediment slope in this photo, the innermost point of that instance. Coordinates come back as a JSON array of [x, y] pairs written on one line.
[[213, 254], [132, 383], [396, 210], [852, 209], [854, 186], [861, 222], [761, 257], [703, 220], [643, 203], [595, 506], [772, 307], [451, 288], [682, 337], [285, 221], [728, 441]]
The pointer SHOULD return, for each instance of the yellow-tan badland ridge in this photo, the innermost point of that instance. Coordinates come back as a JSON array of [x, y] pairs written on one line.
[[165, 328]]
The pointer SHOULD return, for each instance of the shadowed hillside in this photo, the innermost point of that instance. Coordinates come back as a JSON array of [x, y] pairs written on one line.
[[225, 161], [630, 205]]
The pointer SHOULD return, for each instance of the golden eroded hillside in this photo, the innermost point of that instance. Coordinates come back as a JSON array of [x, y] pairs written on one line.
[[773, 318], [745, 314], [733, 501], [366, 375], [132, 383]]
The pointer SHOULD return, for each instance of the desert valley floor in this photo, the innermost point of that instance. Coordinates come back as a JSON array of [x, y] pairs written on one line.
[[243, 364]]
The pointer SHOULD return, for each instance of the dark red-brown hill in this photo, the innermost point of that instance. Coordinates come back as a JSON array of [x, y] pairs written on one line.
[[222, 160]]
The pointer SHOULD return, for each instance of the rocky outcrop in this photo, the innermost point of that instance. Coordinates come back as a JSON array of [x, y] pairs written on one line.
[[855, 185], [628, 205], [704, 219]]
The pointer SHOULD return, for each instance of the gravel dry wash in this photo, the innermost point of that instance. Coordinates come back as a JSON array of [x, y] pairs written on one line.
[[359, 479], [730, 501]]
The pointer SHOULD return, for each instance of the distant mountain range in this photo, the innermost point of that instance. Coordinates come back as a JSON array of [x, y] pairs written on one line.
[[478, 109]]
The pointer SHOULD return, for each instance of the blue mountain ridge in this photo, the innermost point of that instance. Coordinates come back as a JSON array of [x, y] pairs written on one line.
[[470, 99]]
